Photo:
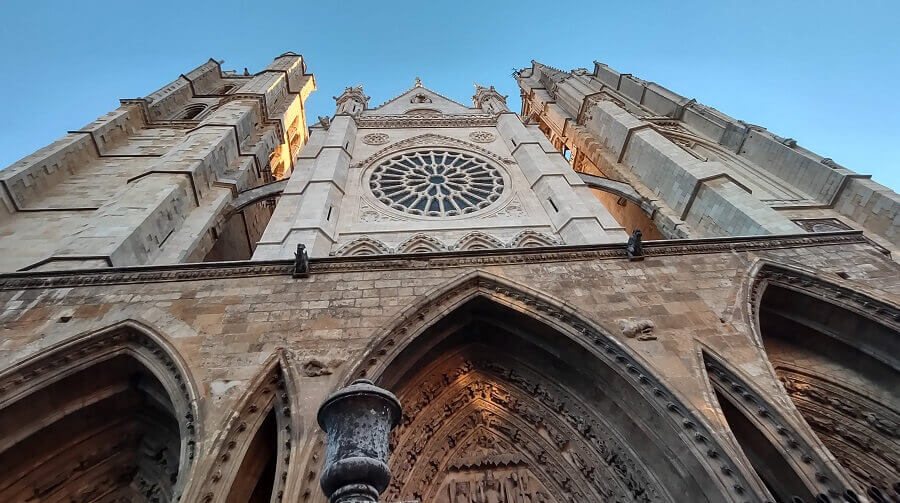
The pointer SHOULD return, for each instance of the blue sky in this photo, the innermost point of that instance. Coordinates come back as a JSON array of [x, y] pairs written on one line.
[[822, 72]]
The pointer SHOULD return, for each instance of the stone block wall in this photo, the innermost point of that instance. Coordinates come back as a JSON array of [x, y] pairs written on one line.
[[146, 183], [642, 134], [227, 321]]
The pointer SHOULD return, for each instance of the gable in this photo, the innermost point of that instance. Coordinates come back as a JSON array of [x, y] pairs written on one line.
[[420, 100]]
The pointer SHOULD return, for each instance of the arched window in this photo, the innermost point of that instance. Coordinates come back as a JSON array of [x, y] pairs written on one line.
[[191, 112]]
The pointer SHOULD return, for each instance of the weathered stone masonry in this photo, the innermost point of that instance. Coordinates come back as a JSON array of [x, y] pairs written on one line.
[[228, 322]]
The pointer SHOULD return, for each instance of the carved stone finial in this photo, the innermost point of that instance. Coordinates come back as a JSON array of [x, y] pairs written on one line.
[[633, 248], [357, 421], [325, 122], [301, 262], [352, 101], [488, 99], [418, 82]]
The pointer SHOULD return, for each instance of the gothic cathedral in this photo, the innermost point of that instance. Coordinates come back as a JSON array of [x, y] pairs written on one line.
[[616, 295]]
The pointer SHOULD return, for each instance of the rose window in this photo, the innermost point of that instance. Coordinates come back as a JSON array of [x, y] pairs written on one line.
[[436, 183]]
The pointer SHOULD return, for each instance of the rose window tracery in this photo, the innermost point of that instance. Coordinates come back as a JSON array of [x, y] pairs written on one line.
[[436, 183]]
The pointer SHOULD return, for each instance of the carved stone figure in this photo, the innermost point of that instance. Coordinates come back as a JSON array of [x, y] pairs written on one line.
[[633, 248], [301, 262]]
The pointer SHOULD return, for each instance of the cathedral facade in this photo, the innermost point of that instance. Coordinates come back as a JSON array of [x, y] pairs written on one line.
[[616, 295]]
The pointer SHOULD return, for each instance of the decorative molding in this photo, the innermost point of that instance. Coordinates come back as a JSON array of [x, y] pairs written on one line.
[[362, 246], [804, 458], [421, 243], [533, 239], [423, 121], [438, 260], [431, 140], [512, 209], [477, 240], [482, 136], [376, 139], [793, 279], [863, 435]]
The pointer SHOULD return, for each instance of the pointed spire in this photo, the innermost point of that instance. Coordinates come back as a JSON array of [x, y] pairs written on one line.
[[489, 100], [352, 101]]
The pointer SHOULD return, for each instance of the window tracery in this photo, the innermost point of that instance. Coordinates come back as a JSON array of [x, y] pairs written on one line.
[[436, 183]]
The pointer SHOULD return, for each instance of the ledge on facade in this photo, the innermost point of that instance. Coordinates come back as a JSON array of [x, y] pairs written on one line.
[[433, 260]]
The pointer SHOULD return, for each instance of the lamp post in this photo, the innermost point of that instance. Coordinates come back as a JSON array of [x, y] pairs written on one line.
[[357, 420]]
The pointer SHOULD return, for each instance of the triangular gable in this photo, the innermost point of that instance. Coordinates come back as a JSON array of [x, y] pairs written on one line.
[[420, 97]]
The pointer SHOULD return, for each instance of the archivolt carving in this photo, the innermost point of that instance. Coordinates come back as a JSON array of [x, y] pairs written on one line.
[[859, 431], [863, 434], [477, 240], [818, 475], [766, 273], [361, 247], [412, 322], [268, 393], [421, 243], [431, 140], [577, 452], [84, 351]]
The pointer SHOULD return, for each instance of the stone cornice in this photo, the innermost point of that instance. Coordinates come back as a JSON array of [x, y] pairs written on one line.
[[418, 121], [437, 260]]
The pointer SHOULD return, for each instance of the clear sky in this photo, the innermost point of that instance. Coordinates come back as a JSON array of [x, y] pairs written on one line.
[[822, 72]]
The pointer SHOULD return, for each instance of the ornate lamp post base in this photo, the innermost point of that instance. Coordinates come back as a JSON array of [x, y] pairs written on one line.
[[357, 421]]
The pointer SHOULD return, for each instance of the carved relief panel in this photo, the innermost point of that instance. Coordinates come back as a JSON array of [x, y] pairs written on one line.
[[483, 431]]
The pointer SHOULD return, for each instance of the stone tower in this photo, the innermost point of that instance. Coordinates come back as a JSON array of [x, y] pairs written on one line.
[[154, 181], [696, 171], [165, 335]]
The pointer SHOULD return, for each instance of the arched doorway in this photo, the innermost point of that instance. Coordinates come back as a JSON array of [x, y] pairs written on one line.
[[836, 353], [504, 402], [108, 417]]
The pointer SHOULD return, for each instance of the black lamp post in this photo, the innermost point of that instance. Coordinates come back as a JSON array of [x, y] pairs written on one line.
[[357, 421]]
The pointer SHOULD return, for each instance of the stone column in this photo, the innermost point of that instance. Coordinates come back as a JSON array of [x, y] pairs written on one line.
[[310, 204], [357, 421], [578, 216]]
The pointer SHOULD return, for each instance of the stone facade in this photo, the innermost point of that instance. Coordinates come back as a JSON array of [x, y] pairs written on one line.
[[332, 202], [699, 172], [151, 181], [456, 259]]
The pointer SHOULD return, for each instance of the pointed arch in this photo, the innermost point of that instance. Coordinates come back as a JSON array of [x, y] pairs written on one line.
[[835, 347], [361, 247], [191, 112], [477, 240], [250, 458], [516, 320], [532, 239], [421, 243], [113, 409], [781, 456]]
